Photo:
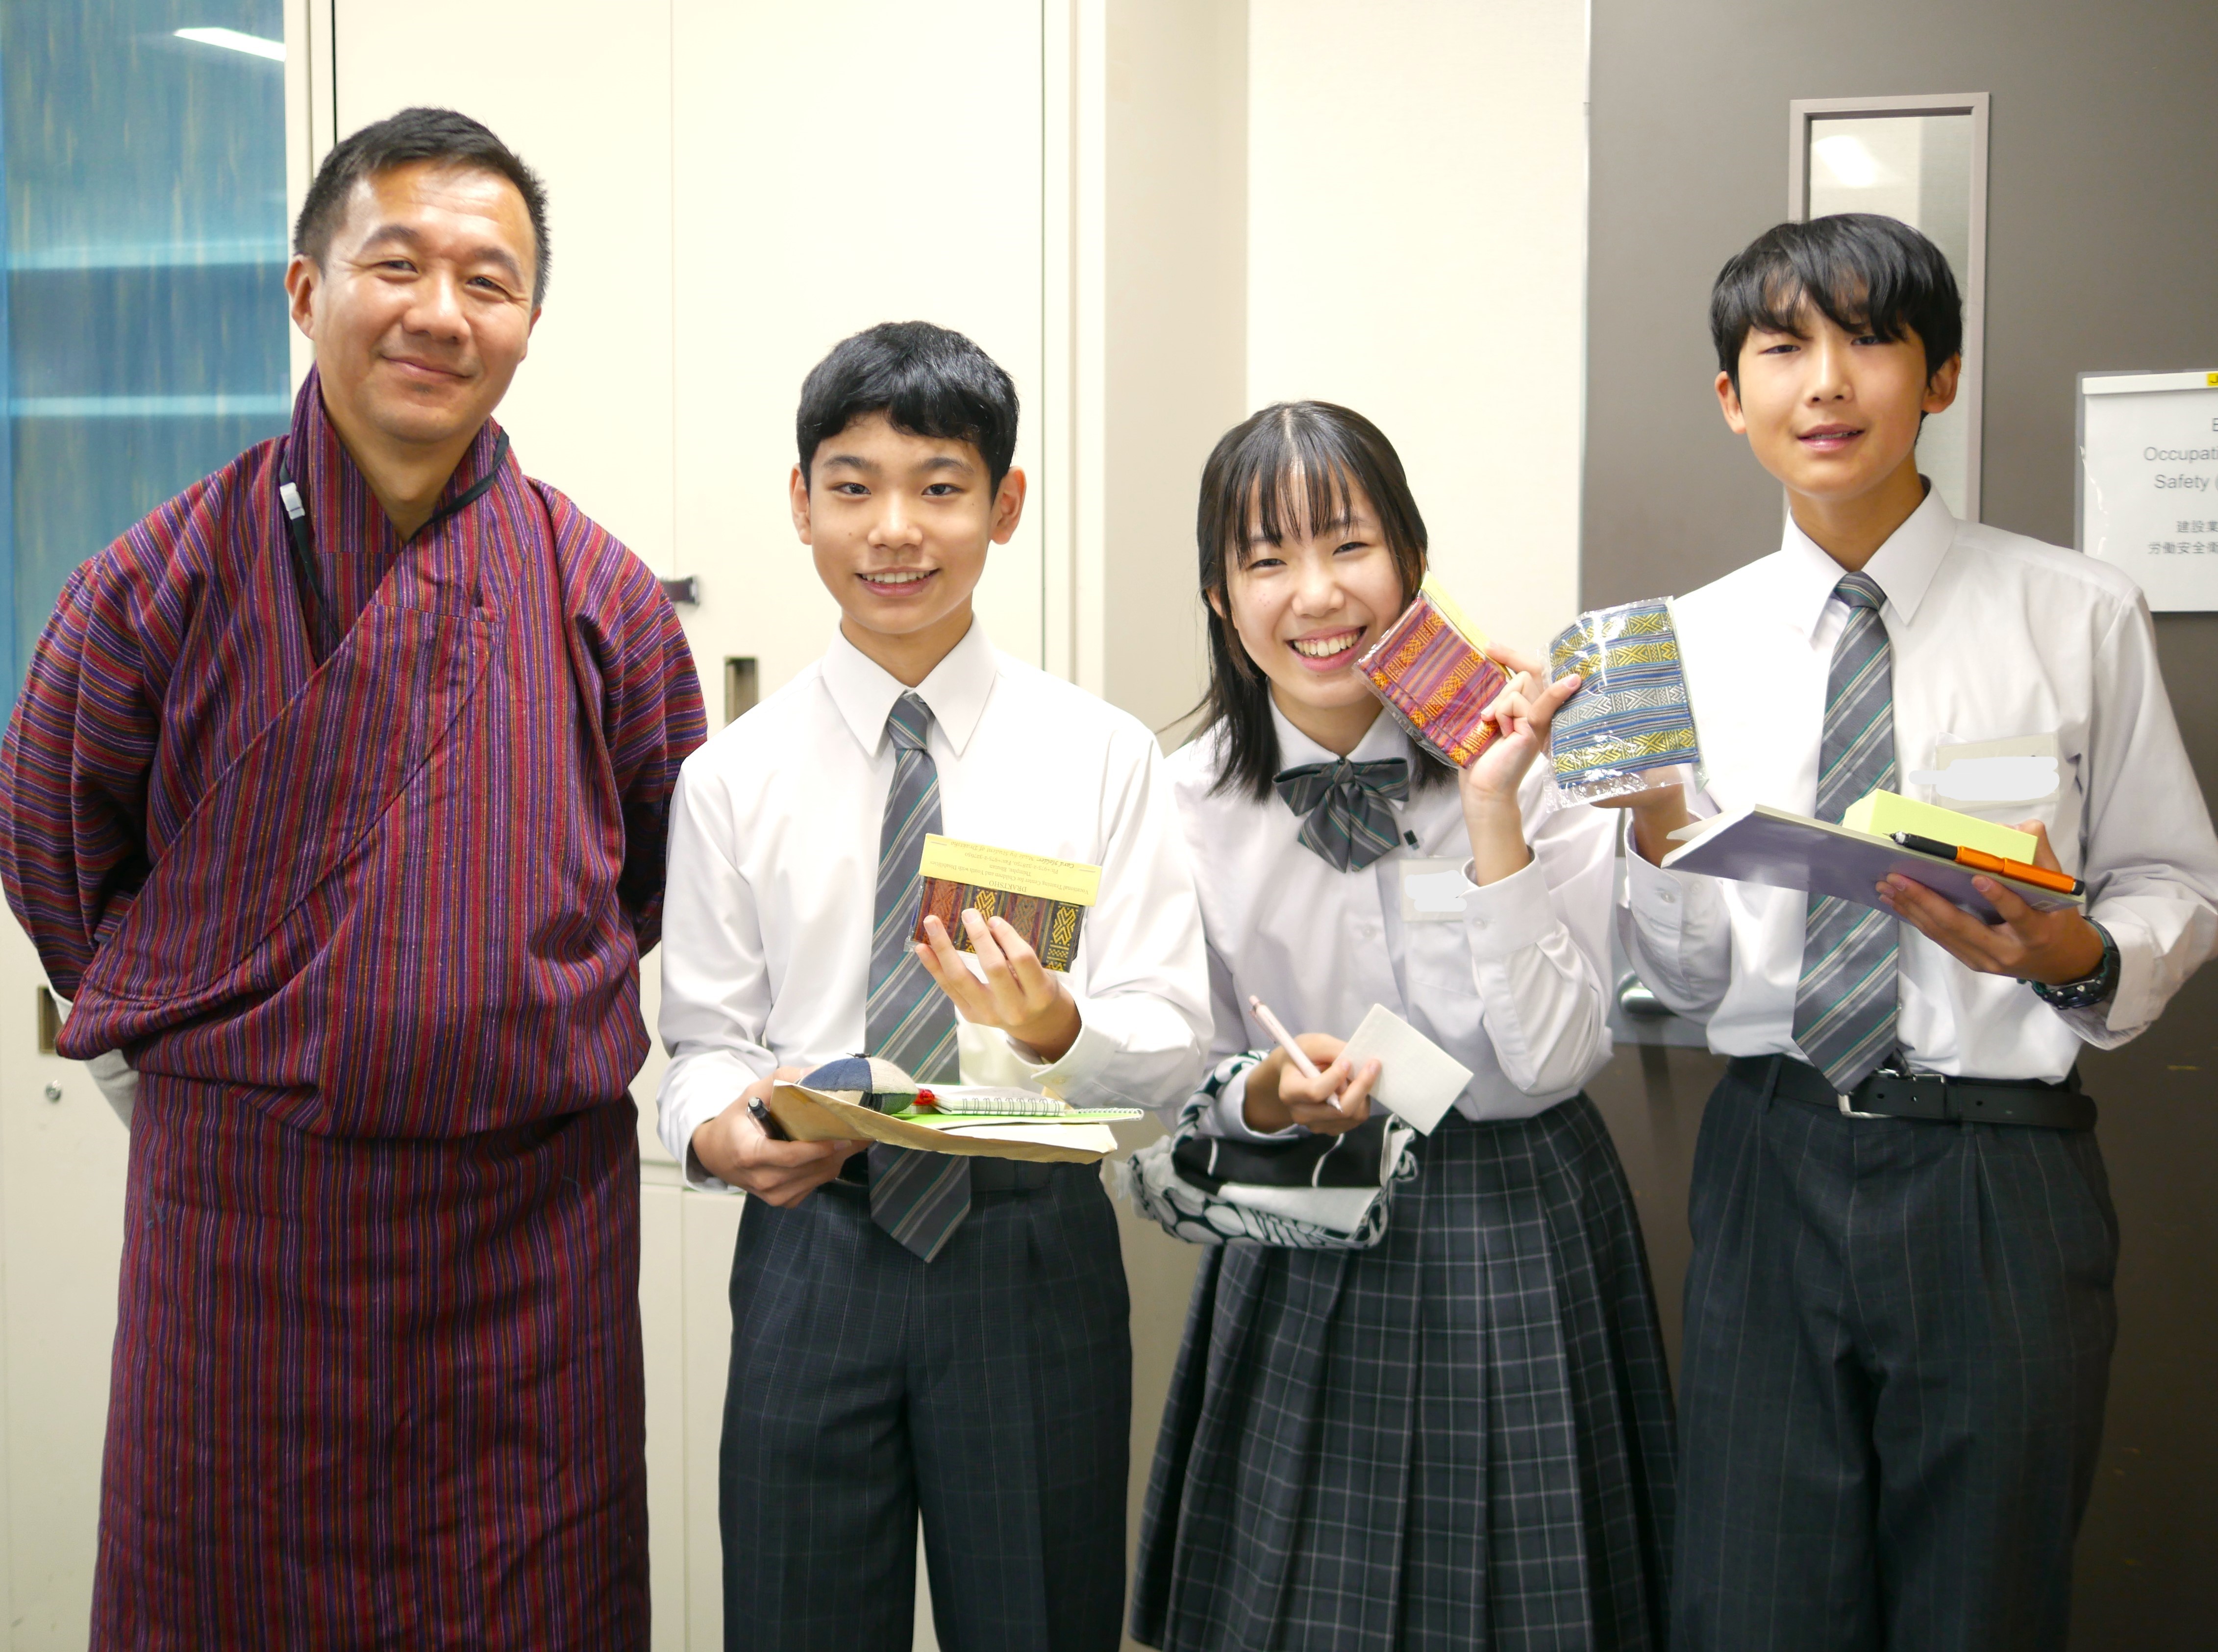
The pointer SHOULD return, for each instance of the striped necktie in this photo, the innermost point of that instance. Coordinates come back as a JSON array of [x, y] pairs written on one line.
[[1844, 1004], [1343, 808], [919, 1198]]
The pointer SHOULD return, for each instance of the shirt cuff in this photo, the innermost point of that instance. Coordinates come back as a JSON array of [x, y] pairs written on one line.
[[989, 1056], [690, 1102], [1504, 917], [1227, 1118], [1657, 898]]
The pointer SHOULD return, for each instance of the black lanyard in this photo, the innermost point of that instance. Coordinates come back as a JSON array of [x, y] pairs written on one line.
[[301, 536]]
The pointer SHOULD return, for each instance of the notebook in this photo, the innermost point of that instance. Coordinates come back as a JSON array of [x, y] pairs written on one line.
[[990, 1100], [1078, 1138], [1759, 844], [1418, 1081]]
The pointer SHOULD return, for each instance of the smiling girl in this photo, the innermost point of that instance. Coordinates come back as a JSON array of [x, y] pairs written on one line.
[[1461, 1436]]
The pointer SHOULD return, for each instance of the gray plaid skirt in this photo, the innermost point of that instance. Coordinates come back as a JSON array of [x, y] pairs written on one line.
[[1461, 1438]]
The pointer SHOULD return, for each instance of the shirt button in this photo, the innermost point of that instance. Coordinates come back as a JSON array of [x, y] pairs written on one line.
[[1479, 923], [1671, 897]]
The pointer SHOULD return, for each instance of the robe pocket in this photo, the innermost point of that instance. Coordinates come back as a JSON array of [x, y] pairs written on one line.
[[297, 802]]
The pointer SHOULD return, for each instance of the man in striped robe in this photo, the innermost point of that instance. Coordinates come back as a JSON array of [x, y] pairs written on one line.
[[336, 799]]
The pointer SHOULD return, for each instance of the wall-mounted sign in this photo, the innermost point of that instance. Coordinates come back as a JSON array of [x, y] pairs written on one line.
[[2148, 481]]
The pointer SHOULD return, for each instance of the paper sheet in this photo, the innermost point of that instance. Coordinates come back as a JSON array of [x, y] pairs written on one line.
[[1418, 1081]]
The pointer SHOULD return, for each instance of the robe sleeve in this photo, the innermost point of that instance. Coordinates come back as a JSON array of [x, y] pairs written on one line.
[[73, 772], [650, 721]]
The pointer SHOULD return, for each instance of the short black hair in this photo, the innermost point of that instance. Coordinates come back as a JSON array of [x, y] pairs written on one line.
[[1291, 464], [1863, 272], [403, 139], [927, 381]]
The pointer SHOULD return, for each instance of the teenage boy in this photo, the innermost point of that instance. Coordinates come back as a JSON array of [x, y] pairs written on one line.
[[1898, 1319], [980, 1374]]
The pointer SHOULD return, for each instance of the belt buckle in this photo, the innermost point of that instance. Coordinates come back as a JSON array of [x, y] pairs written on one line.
[[1883, 1070]]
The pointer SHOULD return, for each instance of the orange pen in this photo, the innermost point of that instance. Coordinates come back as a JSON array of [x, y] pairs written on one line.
[[1980, 860]]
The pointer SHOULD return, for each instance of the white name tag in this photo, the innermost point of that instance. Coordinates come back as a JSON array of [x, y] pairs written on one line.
[[1432, 890], [1973, 776]]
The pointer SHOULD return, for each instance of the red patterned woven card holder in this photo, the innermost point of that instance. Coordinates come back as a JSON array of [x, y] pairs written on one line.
[[1437, 682], [1049, 928]]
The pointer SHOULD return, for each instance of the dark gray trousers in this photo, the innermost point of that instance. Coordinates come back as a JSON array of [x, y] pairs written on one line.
[[1898, 1342], [990, 1389]]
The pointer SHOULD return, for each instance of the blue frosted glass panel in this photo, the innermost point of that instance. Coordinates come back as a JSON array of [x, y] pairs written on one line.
[[142, 239]]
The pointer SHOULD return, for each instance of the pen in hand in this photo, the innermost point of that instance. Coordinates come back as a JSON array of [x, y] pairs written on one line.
[[1277, 1029]]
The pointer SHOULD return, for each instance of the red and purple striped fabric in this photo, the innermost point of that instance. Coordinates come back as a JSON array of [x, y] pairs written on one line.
[[369, 930]]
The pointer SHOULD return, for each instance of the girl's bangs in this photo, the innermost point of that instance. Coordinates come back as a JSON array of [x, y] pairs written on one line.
[[1288, 477]]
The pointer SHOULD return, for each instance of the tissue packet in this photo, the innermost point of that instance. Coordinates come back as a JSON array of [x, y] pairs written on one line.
[[1431, 669], [1631, 726]]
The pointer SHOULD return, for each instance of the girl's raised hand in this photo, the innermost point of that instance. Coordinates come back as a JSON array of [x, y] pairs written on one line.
[[1523, 713]]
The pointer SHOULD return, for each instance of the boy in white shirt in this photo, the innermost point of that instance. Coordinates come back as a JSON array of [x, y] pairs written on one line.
[[979, 1373], [1899, 1316]]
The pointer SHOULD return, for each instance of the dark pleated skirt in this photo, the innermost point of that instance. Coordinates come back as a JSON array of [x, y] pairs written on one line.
[[1462, 1439]]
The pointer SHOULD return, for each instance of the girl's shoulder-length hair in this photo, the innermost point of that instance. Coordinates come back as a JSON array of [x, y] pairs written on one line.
[[1291, 464]]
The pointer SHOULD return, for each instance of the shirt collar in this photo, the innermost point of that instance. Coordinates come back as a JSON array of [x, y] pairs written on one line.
[[864, 692], [1903, 568], [1383, 740]]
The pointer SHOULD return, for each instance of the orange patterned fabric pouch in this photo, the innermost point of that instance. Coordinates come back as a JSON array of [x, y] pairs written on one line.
[[1431, 668]]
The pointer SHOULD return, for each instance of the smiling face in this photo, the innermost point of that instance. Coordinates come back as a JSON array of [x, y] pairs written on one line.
[[900, 526], [1833, 411], [1306, 606], [420, 307]]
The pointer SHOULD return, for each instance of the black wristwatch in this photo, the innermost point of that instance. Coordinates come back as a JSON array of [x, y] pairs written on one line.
[[2087, 992]]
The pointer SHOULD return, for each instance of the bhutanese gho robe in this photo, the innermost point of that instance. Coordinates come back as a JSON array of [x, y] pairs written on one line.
[[368, 927]]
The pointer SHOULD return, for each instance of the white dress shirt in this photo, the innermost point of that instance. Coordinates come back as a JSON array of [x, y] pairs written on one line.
[[773, 870], [1995, 638], [1508, 980]]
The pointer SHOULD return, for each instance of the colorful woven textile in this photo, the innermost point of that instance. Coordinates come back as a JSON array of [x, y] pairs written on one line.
[[1432, 671], [1630, 726], [1049, 928]]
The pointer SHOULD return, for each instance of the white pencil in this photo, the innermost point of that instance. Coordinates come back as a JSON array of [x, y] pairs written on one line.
[[1277, 1029]]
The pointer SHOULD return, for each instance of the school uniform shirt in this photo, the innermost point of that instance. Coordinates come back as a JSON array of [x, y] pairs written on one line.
[[773, 871], [1508, 979], [2003, 647]]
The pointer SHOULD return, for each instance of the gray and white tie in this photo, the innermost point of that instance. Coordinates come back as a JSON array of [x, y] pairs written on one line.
[[919, 1198], [1844, 1003]]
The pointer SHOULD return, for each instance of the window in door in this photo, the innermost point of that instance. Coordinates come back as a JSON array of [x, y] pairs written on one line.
[[1922, 161], [143, 231]]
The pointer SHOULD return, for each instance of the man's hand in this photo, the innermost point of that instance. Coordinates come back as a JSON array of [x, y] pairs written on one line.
[[734, 1148], [2030, 944], [1656, 813], [1277, 1096], [1026, 1001]]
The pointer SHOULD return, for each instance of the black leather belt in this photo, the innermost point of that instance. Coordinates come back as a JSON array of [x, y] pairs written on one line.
[[987, 1175], [1929, 1096]]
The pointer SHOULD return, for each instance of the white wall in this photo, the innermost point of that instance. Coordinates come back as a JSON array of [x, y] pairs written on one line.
[[1416, 246]]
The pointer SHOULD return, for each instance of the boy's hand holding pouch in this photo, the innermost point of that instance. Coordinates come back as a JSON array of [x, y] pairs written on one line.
[[1019, 914]]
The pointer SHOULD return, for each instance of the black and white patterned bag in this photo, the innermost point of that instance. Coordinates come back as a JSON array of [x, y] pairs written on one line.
[[1313, 1193]]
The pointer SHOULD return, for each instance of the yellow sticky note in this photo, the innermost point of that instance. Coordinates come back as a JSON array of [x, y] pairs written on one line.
[[986, 867], [1883, 814]]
